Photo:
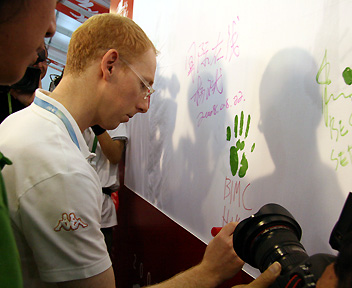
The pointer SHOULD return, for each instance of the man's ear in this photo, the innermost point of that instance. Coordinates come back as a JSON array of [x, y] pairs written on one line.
[[109, 63]]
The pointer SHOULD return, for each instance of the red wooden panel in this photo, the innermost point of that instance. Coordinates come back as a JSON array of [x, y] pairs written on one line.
[[149, 247]]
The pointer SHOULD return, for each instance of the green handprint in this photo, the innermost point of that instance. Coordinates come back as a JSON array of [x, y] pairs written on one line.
[[239, 146]]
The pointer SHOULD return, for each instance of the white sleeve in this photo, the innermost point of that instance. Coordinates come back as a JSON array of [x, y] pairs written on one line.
[[61, 223]]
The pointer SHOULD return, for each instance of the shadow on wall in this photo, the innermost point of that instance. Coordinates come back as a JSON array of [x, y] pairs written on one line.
[[290, 106]]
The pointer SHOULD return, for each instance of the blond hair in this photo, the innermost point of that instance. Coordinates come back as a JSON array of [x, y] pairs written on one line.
[[102, 32]]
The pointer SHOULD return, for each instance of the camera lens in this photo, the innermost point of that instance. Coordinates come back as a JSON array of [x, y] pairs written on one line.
[[272, 234]]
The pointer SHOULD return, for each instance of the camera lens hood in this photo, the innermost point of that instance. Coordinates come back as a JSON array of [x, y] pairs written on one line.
[[269, 218]]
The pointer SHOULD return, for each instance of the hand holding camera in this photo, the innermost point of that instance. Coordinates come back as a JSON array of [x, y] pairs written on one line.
[[272, 234]]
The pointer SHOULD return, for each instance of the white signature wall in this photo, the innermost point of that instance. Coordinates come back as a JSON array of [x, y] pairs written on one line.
[[275, 66]]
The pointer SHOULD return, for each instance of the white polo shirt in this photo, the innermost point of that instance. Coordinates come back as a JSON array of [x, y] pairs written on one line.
[[54, 195], [108, 172]]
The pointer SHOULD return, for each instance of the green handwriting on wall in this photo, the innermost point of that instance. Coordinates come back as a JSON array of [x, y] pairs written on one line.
[[339, 128]]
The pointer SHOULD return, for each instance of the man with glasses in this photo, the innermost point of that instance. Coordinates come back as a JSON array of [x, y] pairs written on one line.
[[55, 195], [149, 90]]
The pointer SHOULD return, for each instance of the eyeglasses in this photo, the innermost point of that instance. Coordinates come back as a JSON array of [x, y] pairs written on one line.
[[150, 89]]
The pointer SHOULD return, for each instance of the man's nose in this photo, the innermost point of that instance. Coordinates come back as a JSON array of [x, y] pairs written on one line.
[[52, 26], [144, 105]]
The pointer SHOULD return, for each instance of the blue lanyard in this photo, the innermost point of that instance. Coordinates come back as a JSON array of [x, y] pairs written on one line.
[[51, 108]]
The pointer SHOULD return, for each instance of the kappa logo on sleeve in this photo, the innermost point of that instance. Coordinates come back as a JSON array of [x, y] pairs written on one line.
[[69, 222]]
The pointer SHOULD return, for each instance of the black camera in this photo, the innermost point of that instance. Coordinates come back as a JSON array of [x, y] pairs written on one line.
[[272, 234]]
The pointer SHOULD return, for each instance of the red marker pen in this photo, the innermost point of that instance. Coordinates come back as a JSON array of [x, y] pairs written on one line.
[[215, 231]]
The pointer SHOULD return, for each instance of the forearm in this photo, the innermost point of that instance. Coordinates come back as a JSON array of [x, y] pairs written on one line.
[[220, 263], [195, 277], [112, 149]]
